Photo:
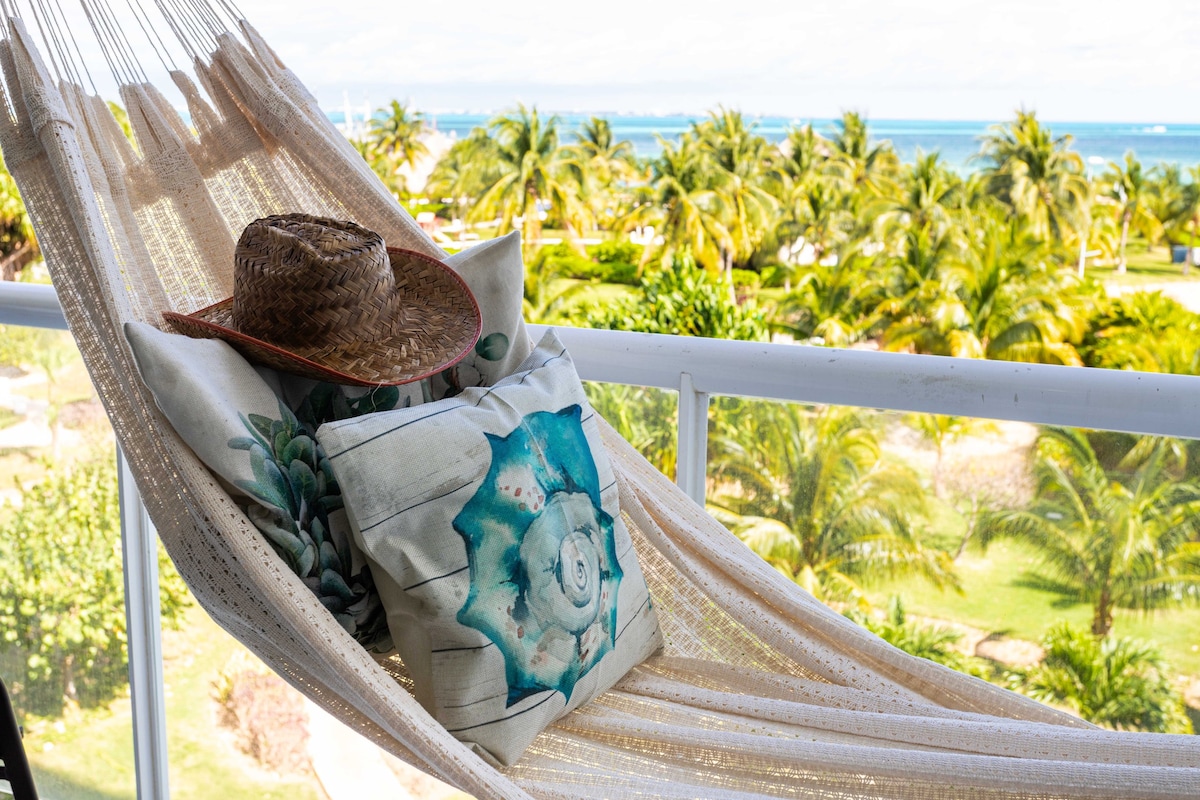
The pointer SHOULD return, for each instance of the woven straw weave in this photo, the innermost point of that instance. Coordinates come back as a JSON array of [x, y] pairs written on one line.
[[325, 299], [761, 690]]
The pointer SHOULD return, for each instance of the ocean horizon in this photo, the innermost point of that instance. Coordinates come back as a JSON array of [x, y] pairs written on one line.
[[956, 141]]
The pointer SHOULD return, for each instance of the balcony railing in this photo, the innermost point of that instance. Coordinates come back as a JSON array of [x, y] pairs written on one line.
[[1132, 402]]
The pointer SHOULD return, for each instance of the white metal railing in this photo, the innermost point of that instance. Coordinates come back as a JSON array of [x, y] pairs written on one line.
[[1133, 402]]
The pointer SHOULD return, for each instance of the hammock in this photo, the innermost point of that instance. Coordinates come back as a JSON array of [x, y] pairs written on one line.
[[761, 691]]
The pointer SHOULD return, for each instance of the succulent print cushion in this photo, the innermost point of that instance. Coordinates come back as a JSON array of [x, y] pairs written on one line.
[[494, 271], [492, 526], [265, 455]]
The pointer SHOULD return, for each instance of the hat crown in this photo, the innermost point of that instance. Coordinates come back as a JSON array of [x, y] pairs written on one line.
[[304, 280]]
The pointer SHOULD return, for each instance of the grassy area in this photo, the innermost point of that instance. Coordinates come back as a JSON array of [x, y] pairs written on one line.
[[72, 384], [1001, 595], [1144, 266], [90, 755]]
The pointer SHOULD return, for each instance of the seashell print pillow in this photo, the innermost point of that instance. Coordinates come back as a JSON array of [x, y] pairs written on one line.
[[492, 526]]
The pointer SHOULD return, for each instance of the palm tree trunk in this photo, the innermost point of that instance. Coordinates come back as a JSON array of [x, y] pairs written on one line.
[[70, 693], [1188, 259], [972, 521], [1102, 618], [16, 261], [1124, 240]]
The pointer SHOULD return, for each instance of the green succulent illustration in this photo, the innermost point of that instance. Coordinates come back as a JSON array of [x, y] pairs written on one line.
[[471, 371], [328, 402], [294, 483]]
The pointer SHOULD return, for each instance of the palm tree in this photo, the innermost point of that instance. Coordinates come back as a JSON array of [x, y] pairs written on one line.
[[1037, 175], [828, 302], [739, 156], [1124, 538], [1130, 190], [644, 416], [398, 132], [532, 181], [803, 153], [923, 307], [683, 205], [813, 212], [383, 164], [595, 145], [997, 298], [929, 192], [1176, 204], [465, 172], [867, 170], [600, 164], [815, 498]]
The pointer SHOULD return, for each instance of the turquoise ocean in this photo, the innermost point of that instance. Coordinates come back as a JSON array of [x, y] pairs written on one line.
[[957, 142]]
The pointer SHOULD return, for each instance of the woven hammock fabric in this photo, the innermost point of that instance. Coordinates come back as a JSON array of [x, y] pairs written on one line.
[[761, 691]]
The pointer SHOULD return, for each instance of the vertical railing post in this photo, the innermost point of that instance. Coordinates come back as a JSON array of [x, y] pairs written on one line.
[[692, 464], [139, 552]]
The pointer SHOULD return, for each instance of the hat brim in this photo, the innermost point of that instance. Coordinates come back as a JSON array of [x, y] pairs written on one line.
[[437, 325]]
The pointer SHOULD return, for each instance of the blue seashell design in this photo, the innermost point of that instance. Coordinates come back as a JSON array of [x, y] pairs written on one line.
[[543, 562]]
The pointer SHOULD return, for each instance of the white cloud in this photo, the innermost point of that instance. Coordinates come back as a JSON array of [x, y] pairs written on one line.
[[906, 58]]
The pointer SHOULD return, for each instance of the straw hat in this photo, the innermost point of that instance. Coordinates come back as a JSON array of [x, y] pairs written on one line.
[[325, 299]]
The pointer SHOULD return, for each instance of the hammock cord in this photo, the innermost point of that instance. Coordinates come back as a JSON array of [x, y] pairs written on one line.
[[201, 27], [189, 34], [152, 35], [232, 10], [52, 49], [112, 40], [70, 36], [207, 15]]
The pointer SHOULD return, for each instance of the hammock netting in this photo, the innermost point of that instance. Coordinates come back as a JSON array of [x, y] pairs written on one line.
[[761, 691]]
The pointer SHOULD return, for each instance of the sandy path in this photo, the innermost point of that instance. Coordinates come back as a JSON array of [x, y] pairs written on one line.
[[1186, 292]]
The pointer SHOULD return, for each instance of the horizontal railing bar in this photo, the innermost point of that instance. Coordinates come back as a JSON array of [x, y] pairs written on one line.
[[32, 304], [1118, 400], [1103, 399]]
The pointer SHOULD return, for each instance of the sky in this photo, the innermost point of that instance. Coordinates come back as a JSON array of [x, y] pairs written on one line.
[[907, 59], [1069, 60]]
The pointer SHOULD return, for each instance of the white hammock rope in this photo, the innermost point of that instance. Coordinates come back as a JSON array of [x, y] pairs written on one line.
[[761, 690]]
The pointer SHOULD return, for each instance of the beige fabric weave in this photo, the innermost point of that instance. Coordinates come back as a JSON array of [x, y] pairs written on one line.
[[762, 691]]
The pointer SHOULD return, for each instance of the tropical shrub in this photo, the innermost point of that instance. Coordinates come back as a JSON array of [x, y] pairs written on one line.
[[564, 261], [615, 251], [1118, 682], [685, 300], [1146, 331], [746, 279], [618, 261], [645, 417], [267, 717], [606, 262], [930, 642], [62, 590]]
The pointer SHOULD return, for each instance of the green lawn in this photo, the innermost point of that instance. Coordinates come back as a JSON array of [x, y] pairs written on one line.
[[999, 597], [91, 758], [1144, 265]]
